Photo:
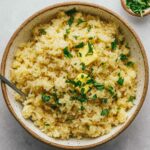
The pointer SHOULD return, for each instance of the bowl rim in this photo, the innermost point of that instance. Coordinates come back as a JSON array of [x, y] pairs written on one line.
[[63, 4]]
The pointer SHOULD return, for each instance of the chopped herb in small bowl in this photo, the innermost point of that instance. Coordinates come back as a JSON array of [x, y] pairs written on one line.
[[138, 6]]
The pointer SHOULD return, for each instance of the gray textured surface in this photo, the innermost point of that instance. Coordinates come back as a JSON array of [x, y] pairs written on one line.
[[13, 136]]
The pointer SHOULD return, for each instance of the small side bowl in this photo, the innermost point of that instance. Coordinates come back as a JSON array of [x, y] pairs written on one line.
[[23, 33], [123, 3]]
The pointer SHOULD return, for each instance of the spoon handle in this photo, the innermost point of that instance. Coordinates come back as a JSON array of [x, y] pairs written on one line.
[[12, 86]]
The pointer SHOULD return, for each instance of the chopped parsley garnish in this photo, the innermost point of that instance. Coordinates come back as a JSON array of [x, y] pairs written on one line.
[[53, 106], [89, 28], [83, 66], [80, 21], [76, 84], [71, 12], [130, 64], [114, 44], [127, 45], [45, 98], [46, 124], [131, 99], [138, 6], [99, 86], [90, 49], [104, 100], [90, 38], [90, 81], [111, 90], [123, 57], [68, 31], [82, 90], [82, 76], [120, 81], [82, 99], [75, 36], [56, 99], [105, 112], [70, 21], [82, 108], [80, 45], [42, 31], [94, 96], [80, 55], [67, 53]]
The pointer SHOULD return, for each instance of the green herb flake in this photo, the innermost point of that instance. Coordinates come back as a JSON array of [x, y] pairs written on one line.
[[45, 98], [67, 53], [99, 86], [75, 36], [104, 100], [90, 49], [111, 90], [90, 81], [90, 38], [70, 21], [80, 45], [82, 108], [123, 57], [82, 76], [131, 99], [68, 31], [120, 81], [89, 28], [80, 55], [82, 99], [94, 96], [105, 112], [83, 66], [53, 106], [80, 21], [130, 64], [78, 83], [42, 31], [71, 12], [127, 45], [114, 44], [46, 124]]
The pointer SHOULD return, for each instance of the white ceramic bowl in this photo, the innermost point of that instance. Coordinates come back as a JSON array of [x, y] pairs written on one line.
[[23, 34]]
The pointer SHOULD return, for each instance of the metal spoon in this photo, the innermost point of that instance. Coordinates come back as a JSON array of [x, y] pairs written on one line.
[[3, 79]]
